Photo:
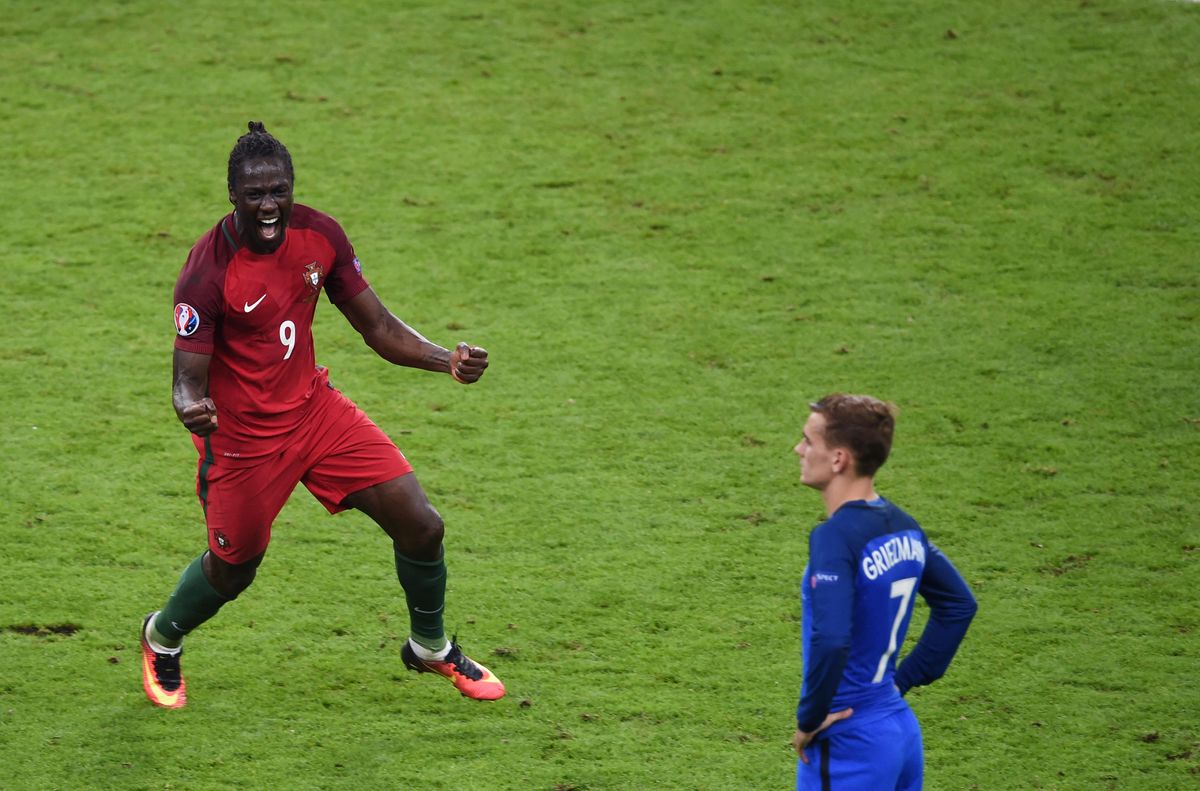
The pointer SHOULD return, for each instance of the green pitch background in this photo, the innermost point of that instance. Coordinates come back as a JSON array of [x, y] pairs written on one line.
[[672, 224]]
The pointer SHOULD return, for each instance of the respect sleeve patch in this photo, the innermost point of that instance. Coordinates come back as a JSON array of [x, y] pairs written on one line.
[[822, 577]]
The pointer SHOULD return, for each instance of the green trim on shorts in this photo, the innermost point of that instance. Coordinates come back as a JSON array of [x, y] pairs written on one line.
[[204, 467]]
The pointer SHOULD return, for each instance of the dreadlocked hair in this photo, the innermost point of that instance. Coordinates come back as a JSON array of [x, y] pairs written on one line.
[[257, 143]]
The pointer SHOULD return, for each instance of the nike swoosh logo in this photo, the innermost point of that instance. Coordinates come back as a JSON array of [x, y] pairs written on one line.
[[246, 306]]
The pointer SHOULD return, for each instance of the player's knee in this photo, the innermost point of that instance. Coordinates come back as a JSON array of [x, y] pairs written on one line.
[[230, 579], [239, 580], [429, 530], [419, 535]]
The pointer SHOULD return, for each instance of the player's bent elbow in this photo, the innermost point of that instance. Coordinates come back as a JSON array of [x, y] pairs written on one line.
[[968, 609], [960, 610]]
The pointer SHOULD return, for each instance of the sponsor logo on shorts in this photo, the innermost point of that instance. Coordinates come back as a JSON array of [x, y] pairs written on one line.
[[187, 320]]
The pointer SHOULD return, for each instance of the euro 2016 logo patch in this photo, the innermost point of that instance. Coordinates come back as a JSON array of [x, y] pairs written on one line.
[[187, 320]]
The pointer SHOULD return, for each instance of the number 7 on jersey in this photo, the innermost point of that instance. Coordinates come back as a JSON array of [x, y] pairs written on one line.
[[904, 590]]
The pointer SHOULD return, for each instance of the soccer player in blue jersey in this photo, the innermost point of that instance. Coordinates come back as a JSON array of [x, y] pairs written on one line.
[[866, 560]]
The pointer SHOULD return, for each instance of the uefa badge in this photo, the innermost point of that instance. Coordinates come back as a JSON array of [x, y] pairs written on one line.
[[187, 320], [312, 278]]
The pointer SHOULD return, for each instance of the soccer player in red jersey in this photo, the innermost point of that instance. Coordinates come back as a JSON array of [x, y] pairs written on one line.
[[264, 416]]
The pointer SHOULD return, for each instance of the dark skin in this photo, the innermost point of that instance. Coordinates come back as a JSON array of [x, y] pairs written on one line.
[[262, 203], [262, 193]]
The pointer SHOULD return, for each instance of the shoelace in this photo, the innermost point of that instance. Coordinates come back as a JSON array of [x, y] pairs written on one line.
[[166, 667], [462, 664]]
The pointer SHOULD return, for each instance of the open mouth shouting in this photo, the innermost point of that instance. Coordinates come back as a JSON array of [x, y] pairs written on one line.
[[270, 228]]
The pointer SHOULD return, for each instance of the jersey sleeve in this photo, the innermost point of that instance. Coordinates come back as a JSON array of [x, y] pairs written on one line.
[[831, 578], [951, 608], [199, 300], [345, 279]]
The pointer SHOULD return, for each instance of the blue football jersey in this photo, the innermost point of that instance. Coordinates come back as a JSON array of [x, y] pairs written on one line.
[[867, 564]]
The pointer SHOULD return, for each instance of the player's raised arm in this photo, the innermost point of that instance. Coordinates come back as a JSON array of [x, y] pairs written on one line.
[[400, 344], [189, 393]]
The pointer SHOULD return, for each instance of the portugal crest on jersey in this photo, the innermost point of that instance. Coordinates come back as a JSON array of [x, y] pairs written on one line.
[[312, 278]]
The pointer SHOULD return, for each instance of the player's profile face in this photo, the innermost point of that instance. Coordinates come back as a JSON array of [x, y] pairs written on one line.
[[262, 201], [816, 467]]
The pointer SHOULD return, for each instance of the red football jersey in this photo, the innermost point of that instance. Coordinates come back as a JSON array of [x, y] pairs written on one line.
[[253, 313]]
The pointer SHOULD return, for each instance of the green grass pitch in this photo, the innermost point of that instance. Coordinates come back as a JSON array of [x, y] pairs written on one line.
[[672, 224]]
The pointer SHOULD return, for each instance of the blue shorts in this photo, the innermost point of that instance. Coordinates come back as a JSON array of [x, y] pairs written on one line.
[[879, 755]]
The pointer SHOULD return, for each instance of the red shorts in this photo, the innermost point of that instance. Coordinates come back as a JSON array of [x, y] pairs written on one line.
[[336, 451]]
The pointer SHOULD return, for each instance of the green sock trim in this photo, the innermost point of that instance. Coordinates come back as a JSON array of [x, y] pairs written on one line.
[[424, 583], [193, 602]]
